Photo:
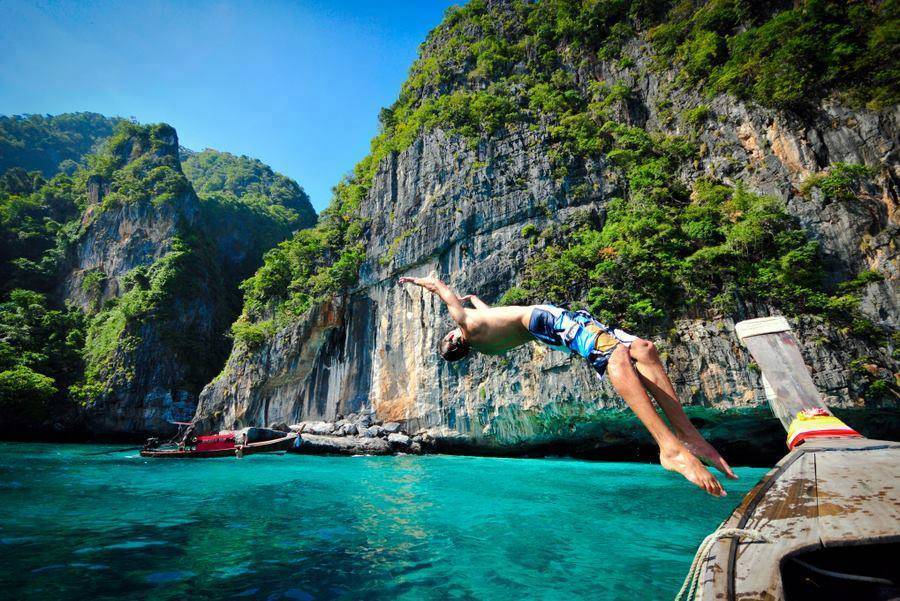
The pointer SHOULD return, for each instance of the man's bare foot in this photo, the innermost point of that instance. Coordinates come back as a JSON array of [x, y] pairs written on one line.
[[680, 460], [706, 453]]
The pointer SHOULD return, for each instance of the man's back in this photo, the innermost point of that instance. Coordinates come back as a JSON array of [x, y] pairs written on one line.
[[495, 330]]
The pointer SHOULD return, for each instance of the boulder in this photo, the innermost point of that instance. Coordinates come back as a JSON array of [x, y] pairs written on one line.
[[312, 444], [349, 430], [397, 439], [252, 434], [392, 427], [320, 428], [298, 428], [374, 431]]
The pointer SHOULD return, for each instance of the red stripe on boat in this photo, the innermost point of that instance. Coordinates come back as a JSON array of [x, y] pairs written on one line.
[[842, 433]]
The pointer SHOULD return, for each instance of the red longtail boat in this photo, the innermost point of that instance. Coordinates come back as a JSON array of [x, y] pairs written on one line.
[[247, 441]]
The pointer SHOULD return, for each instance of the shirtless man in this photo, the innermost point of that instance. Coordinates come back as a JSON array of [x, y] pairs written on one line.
[[632, 364]]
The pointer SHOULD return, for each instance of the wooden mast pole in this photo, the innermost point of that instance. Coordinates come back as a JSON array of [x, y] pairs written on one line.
[[792, 394]]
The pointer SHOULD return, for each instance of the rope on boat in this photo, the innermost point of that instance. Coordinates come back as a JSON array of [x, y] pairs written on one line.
[[692, 581]]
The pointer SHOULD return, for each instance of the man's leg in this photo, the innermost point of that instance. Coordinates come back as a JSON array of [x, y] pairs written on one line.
[[672, 453], [653, 376]]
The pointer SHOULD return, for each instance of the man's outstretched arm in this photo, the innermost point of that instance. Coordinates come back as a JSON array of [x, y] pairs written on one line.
[[453, 302]]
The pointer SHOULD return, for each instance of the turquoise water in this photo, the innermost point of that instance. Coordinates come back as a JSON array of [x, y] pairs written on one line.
[[76, 523]]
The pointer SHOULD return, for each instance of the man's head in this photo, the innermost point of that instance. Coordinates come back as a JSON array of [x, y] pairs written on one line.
[[454, 345]]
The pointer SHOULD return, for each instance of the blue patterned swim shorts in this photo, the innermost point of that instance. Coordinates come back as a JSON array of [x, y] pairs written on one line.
[[577, 332]]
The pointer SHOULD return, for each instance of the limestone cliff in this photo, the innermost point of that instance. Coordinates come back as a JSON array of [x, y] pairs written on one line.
[[457, 207], [157, 269]]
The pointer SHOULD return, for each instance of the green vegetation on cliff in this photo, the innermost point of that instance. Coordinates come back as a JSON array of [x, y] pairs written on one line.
[[241, 195], [40, 218], [715, 247], [178, 303], [665, 250], [50, 144], [313, 265], [35, 216], [39, 221], [250, 182], [176, 308], [486, 66], [139, 163], [841, 182], [786, 58], [184, 301], [40, 358]]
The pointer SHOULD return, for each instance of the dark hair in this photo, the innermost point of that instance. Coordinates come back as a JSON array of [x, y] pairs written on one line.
[[454, 350]]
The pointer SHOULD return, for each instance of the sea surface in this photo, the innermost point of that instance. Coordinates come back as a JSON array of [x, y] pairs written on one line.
[[95, 522]]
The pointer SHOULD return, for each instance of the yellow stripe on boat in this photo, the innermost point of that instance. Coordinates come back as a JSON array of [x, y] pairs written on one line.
[[817, 424]]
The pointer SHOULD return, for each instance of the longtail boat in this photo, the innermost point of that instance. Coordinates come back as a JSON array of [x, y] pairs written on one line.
[[249, 441], [824, 523]]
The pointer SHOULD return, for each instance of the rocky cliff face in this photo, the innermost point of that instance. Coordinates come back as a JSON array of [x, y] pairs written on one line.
[[120, 270], [442, 206], [143, 382], [116, 241], [458, 208], [157, 269]]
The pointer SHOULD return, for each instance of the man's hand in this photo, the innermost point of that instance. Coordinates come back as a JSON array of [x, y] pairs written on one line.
[[429, 283], [453, 302]]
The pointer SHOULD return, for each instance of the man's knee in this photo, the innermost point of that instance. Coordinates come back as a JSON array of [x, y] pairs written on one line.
[[619, 362], [643, 350]]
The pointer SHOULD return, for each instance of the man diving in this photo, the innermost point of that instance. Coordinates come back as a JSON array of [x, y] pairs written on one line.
[[631, 363]]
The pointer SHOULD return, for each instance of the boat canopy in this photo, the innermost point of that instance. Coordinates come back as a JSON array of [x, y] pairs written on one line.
[[215, 442]]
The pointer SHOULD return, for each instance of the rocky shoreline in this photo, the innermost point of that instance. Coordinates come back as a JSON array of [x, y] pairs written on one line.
[[357, 434], [751, 437]]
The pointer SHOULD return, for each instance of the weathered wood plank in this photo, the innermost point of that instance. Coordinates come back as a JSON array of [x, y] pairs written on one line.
[[858, 494], [715, 579], [787, 516]]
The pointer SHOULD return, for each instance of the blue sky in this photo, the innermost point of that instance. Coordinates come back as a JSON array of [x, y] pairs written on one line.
[[296, 84]]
